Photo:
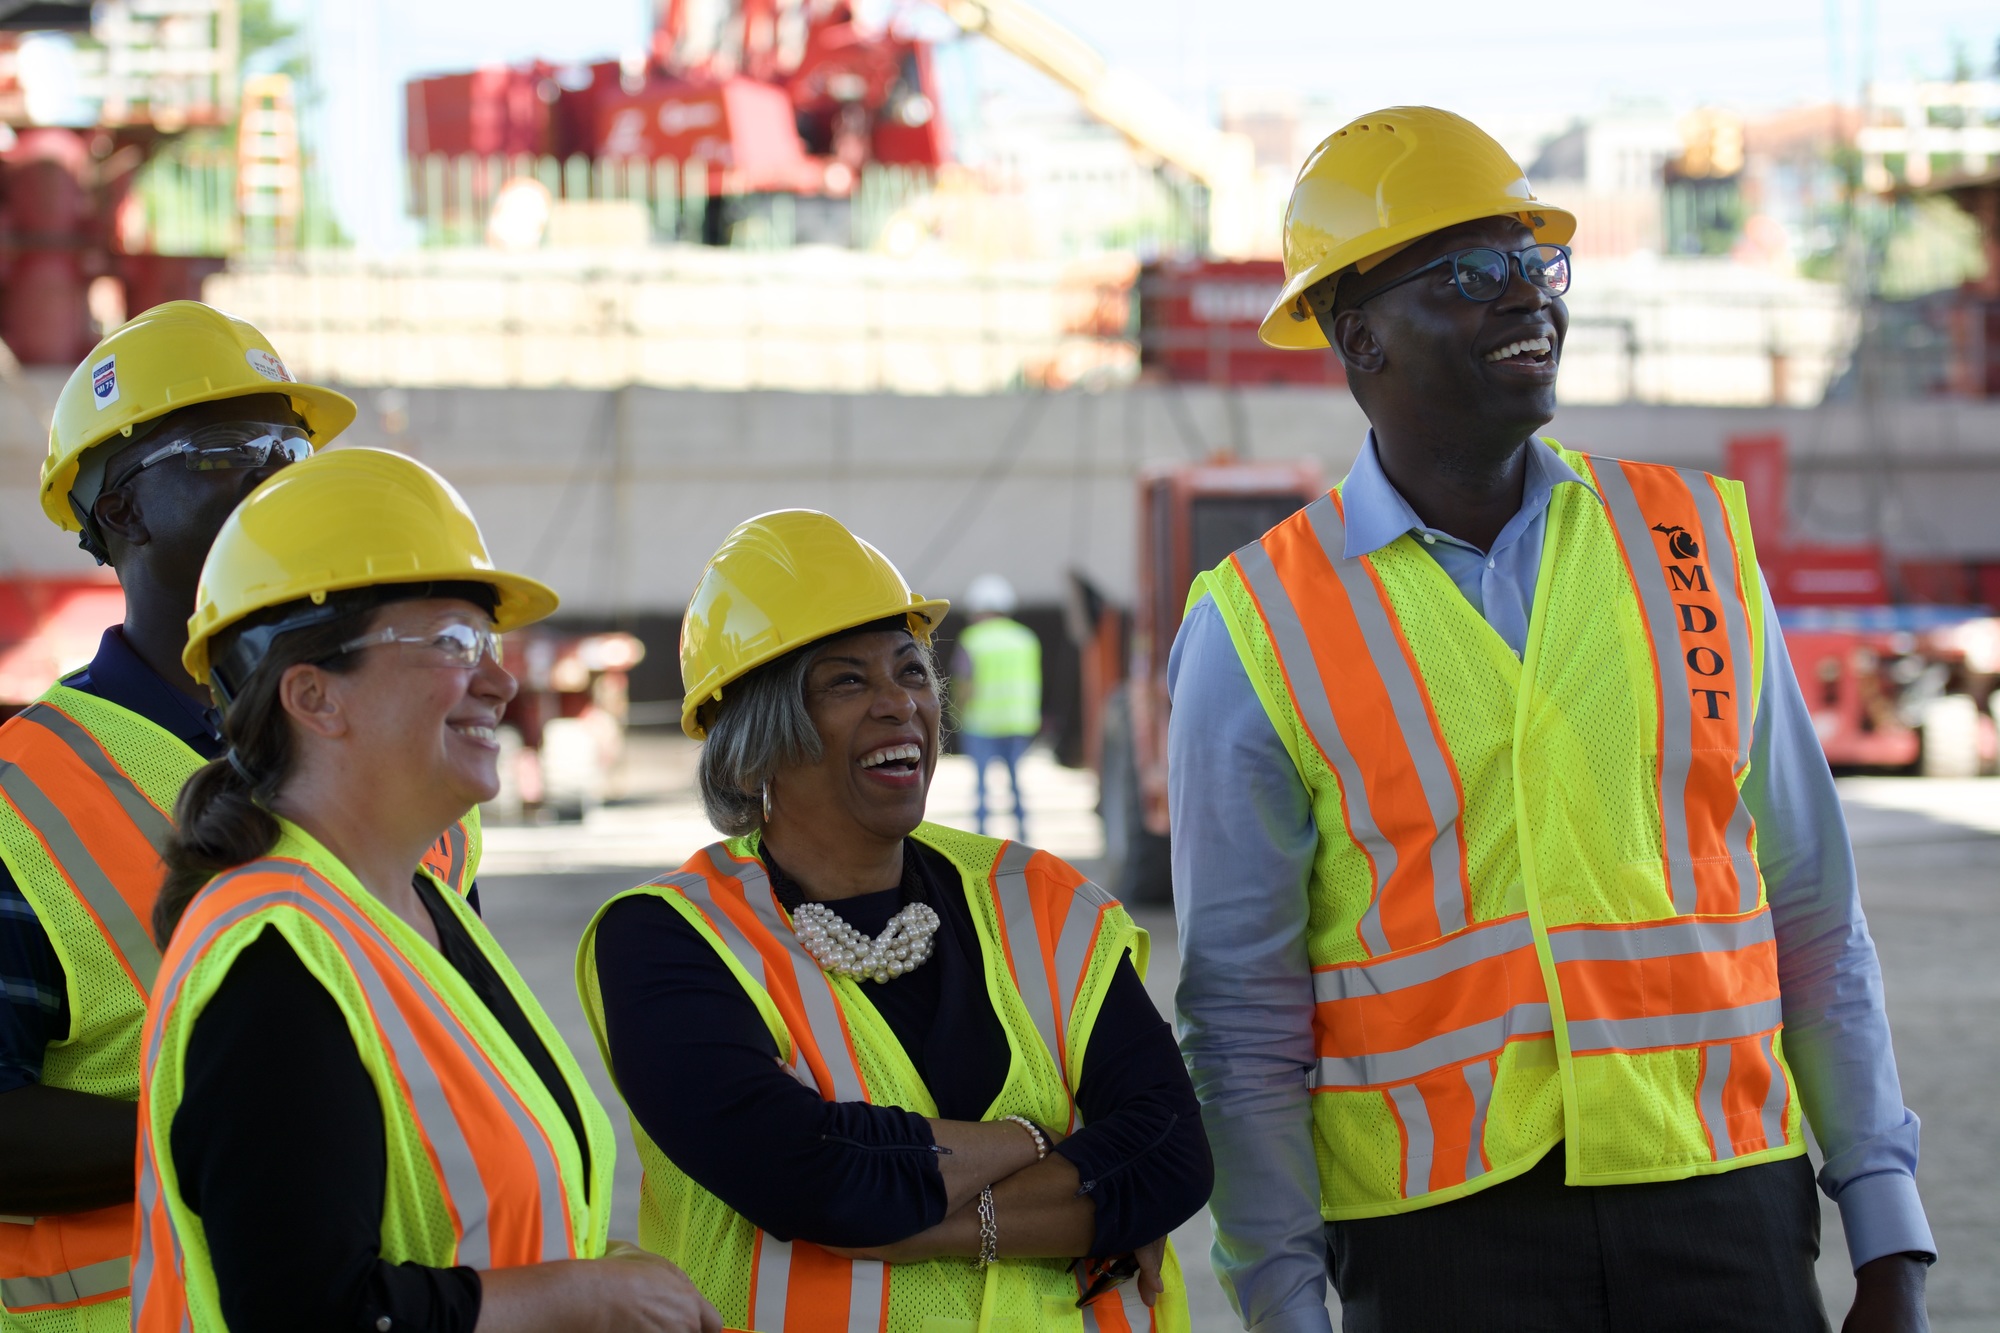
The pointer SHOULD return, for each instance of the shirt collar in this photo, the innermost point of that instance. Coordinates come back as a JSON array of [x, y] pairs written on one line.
[[1376, 512], [118, 675]]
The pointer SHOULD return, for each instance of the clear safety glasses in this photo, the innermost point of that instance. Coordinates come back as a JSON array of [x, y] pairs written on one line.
[[456, 644], [229, 444], [1482, 274]]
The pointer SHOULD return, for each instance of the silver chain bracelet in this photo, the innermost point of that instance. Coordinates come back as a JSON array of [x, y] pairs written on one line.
[[1041, 1140], [989, 1231]]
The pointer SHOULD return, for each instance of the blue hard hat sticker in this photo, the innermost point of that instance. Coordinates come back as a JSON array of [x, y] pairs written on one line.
[[104, 382]]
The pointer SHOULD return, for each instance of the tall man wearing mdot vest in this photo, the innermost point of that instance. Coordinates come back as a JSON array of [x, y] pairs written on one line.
[[160, 432], [1520, 931]]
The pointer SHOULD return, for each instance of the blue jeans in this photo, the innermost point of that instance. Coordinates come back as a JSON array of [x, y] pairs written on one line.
[[982, 750]]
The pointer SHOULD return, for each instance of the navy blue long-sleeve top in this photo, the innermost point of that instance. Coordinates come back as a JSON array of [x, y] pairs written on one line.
[[854, 1174]]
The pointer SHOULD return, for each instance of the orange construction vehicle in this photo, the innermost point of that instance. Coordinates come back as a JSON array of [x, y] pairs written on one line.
[[1189, 518]]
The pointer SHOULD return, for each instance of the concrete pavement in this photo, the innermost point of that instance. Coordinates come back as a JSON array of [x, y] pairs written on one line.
[[1928, 852]]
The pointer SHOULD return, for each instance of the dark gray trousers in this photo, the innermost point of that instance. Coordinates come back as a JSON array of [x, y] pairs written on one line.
[[1711, 1253]]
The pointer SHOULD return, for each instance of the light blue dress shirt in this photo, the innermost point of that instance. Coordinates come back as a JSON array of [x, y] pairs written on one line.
[[1242, 856]]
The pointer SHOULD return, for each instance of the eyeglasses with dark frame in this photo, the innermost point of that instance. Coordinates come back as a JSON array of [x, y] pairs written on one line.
[[1482, 272], [225, 445]]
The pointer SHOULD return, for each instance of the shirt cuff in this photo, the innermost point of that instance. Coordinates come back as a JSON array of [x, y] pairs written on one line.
[[1302, 1320], [1881, 1214]]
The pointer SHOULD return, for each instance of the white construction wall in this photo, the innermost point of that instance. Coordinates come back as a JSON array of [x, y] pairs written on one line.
[[617, 497]]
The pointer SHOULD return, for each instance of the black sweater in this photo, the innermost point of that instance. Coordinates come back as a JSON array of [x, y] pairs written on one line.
[[279, 1148]]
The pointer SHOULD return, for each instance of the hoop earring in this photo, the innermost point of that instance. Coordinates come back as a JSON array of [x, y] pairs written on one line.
[[767, 800]]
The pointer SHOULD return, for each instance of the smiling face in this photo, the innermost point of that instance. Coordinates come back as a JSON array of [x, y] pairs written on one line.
[[874, 704], [1423, 349], [417, 725]]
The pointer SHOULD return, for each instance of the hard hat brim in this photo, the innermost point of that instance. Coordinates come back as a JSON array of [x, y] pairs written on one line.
[[1283, 329], [931, 611], [523, 601], [326, 413]]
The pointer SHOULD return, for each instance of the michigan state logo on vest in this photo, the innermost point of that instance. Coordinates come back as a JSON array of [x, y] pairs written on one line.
[[1052, 941], [1535, 913]]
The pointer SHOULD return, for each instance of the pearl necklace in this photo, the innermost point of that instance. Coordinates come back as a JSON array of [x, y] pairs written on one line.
[[903, 946]]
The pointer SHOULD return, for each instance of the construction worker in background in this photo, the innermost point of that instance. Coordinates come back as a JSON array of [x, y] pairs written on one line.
[[1519, 924], [997, 681], [354, 1114], [157, 436]]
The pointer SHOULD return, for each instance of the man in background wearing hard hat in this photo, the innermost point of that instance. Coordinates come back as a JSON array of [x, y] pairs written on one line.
[[1519, 927], [997, 684], [157, 436]]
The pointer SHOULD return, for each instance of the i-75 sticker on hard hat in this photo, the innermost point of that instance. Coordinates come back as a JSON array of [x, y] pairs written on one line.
[[267, 365], [104, 382]]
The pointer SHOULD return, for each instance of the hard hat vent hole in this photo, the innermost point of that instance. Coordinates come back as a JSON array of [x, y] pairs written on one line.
[[1388, 129]]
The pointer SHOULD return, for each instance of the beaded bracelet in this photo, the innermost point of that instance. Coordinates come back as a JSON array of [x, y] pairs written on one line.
[[989, 1231], [1035, 1130]]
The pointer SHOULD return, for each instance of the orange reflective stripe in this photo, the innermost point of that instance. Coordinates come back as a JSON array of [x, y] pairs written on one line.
[[1383, 714], [1050, 920], [1684, 570], [1458, 999], [66, 1260], [495, 1165], [740, 892], [1442, 1116], [447, 856], [98, 828], [1744, 1096], [825, 1293], [1667, 983], [1118, 1310]]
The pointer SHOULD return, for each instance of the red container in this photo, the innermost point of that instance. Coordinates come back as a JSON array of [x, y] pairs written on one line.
[[1198, 322], [493, 110]]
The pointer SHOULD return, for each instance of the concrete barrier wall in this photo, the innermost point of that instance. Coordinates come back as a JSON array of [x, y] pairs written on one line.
[[617, 497]]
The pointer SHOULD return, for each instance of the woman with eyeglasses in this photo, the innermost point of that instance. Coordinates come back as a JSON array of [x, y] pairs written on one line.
[[353, 1113], [883, 1074]]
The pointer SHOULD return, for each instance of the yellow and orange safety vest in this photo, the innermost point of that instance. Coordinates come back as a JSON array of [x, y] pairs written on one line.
[[1535, 911]]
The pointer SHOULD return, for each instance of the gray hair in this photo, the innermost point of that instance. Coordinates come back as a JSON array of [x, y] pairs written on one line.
[[762, 725]]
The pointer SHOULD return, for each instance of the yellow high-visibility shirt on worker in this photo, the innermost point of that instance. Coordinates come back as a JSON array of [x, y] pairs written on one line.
[[483, 1169], [1006, 661], [87, 789], [1052, 942], [1535, 913]]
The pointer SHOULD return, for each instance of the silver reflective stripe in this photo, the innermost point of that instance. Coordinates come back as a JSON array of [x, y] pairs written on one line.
[[1288, 636], [1722, 563], [1479, 1078], [868, 1288], [78, 1284], [13, 1219], [1572, 945], [1406, 699], [149, 1198], [1024, 945], [815, 991], [772, 1283], [127, 934], [1777, 1096], [138, 807], [1419, 1143], [1075, 946], [1644, 1034], [1424, 965], [1676, 704], [1715, 1062], [695, 889], [1447, 1048]]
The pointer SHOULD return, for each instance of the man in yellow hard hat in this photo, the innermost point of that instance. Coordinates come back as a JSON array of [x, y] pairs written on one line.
[[157, 436], [1520, 931]]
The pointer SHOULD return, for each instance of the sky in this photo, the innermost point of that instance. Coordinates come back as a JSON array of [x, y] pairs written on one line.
[[1508, 67]]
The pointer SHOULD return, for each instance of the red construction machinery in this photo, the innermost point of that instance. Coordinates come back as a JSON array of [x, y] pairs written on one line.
[[1190, 518], [87, 94]]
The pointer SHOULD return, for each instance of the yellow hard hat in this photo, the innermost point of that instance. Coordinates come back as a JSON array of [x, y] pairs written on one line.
[[778, 582], [1383, 181], [347, 518], [170, 357]]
